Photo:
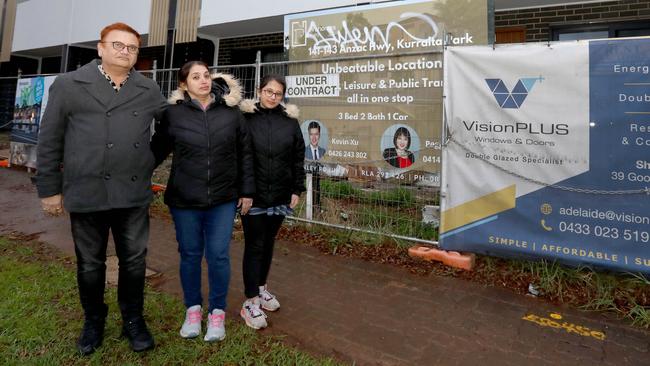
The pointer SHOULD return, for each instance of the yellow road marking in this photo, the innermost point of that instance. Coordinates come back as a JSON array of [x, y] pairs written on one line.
[[553, 321]]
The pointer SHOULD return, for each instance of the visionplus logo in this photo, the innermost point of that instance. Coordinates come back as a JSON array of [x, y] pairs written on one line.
[[515, 98]]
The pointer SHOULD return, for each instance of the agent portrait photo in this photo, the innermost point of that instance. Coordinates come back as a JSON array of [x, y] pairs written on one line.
[[313, 151], [399, 155]]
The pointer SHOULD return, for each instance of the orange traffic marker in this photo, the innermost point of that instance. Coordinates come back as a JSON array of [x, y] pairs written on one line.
[[453, 259], [155, 187], [4, 163]]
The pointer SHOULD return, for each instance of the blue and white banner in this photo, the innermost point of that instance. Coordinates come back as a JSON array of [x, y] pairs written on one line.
[[31, 99], [549, 152]]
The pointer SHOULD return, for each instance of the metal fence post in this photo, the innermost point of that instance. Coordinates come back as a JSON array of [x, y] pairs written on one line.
[[258, 72], [309, 206]]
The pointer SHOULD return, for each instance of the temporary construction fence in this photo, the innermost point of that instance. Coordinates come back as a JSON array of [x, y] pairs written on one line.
[[347, 195], [361, 194]]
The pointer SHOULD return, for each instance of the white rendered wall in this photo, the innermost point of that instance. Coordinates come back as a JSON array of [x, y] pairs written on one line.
[[217, 11], [41, 23], [92, 15], [46, 23]]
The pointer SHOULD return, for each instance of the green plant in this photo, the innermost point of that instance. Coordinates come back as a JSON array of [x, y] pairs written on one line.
[[640, 316], [401, 197], [637, 279], [340, 189]]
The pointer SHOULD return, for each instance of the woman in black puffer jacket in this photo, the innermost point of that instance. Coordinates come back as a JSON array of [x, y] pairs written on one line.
[[279, 151], [212, 174]]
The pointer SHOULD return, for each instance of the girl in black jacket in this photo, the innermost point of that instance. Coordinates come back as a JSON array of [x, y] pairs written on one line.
[[211, 175], [279, 151]]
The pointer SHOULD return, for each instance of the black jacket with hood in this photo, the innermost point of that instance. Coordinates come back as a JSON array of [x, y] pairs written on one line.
[[279, 151], [212, 157]]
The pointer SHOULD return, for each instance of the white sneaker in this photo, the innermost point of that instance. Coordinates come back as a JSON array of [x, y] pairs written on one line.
[[216, 326], [252, 314], [192, 326], [267, 300]]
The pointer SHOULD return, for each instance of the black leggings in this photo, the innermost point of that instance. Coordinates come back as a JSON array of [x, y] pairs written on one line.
[[259, 236]]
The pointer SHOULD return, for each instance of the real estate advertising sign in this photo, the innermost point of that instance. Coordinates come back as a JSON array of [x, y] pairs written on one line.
[[369, 84], [31, 98], [549, 152]]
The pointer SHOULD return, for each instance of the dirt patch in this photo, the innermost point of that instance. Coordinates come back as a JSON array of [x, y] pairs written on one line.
[[22, 188], [161, 174], [159, 210], [4, 139], [38, 252]]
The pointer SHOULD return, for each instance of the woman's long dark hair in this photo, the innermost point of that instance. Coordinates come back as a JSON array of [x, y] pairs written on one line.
[[184, 72], [274, 77], [403, 131]]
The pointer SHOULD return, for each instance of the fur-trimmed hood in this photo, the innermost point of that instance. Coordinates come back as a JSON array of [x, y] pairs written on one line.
[[251, 106], [224, 86]]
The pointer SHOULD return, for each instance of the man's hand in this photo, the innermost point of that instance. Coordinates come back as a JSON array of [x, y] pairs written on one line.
[[245, 205], [294, 201], [53, 205]]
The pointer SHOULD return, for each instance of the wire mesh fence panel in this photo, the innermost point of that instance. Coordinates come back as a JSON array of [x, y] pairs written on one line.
[[355, 178], [245, 74], [352, 183], [7, 101], [167, 79]]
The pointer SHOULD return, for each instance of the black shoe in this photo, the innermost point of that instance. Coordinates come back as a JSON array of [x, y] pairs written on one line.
[[136, 332], [91, 336]]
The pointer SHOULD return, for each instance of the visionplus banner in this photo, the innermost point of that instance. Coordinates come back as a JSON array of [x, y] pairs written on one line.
[[549, 152], [371, 100]]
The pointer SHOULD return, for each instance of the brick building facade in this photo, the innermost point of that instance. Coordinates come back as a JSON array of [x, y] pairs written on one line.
[[244, 49], [621, 18], [545, 23]]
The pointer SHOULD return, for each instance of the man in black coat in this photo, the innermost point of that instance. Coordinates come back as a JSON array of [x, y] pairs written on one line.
[[97, 124]]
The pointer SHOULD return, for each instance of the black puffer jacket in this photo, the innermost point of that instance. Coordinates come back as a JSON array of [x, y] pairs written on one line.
[[212, 161], [279, 151]]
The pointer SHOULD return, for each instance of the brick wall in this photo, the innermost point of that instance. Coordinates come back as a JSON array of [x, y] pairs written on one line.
[[537, 20], [228, 45]]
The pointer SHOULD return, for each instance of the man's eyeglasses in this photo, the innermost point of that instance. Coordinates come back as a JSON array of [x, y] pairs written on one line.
[[270, 94], [119, 46]]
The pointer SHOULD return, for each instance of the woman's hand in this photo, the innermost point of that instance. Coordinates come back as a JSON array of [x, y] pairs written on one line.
[[294, 201], [245, 205]]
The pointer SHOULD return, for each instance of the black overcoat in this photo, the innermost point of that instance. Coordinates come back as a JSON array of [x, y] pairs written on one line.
[[101, 140]]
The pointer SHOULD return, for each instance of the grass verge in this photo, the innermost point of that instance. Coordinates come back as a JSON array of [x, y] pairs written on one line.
[[40, 319]]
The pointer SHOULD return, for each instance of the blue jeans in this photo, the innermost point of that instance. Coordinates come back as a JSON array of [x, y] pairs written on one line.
[[208, 231]]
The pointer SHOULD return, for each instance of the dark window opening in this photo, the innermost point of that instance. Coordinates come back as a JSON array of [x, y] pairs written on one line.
[[605, 30]]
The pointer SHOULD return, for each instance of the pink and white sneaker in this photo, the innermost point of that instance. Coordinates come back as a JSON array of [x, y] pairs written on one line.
[[252, 314], [192, 326], [216, 326], [268, 301]]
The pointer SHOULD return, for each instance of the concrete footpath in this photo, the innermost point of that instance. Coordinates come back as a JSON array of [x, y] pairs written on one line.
[[373, 314]]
